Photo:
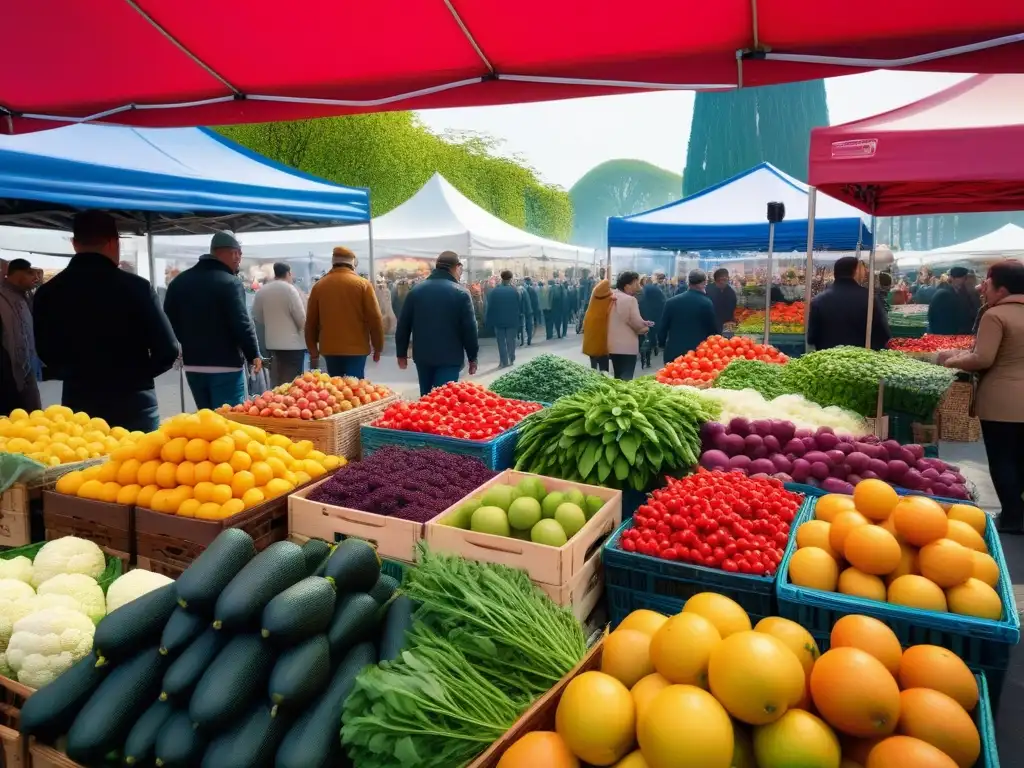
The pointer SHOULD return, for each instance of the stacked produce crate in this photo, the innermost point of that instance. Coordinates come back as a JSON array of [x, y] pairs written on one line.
[[955, 420]]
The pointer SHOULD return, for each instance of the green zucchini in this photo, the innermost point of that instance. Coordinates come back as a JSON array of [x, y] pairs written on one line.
[[316, 552], [140, 746], [179, 744], [252, 740], [300, 674], [49, 712], [233, 681], [185, 671], [383, 589], [313, 741], [181, 631], [397, 621], [108, 716], [354, 566], [322, 568], [272, 571], [355, 619], [202, 582], [301, 611], [134, 625]]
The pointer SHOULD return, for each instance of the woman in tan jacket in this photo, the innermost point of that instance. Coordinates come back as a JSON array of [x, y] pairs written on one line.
[[595, 325], [998, 357]]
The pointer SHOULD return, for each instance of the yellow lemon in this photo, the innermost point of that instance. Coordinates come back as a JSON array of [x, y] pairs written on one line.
[[317, 456], [274, 452], [333, 462], [189, 507], [301, 478], [147, 472], [128, 472], [163, 501], [211, 429], [186, 473], [222, 474], [256, 451], [20, 413], [111, 443], [252, 497], [291, 477], [124, 452], [174, 427], [145, 497], [136, 435], [240, 460], [203, 491], [220, 494], [231, 507], [242, 482], [70, 483], [91, 489], [192, 425], [203, 471], [262, 471], [108, 471], [300, 449], [166, 475], [174, 451], [313, 468], [197, 449], [119, 433], [208, 511], [128, 494], [149, 446], [240, 439], [179, 496], [221, 449], [279, 440], [278, 487], [279, 468]]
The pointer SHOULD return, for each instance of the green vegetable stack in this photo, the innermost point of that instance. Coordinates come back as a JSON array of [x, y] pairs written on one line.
[[620, 434], [765, 378], [849, 376], [545, 379]]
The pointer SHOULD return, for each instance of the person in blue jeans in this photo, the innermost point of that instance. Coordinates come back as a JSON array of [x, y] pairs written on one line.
[[503, 316], [438, 317]]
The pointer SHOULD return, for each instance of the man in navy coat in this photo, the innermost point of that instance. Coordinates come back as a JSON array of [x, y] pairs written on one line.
[[689, 318], [503, 317]]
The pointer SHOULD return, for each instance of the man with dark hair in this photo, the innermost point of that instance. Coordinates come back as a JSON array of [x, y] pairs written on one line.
[[952, 309], [652, 307], [722, 296], [689, 318], [279, 309], [503, 316], [525, 316], [206, 307], [101, 330], [18, 337], [536, 315], [838, 315]]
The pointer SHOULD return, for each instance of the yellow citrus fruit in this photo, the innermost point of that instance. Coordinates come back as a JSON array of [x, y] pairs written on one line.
[[301, 478], [147, 472], [936, 718], [167, 475], [128, 472], [203, 471], [231, 507], [333, 462], [930, 666], [262, 471], [256, 451], [221, 494], [313, 468], [756, 677], [795, 637], [128, 494], [855, 693], [643, 620], [108, 471], [197, 450], [684, 727], [681, 648], [278, 466], [875, 499], [149, 446], [279, 440], [189, 507], [917, 592], [203, 491], [70, 483], [221, 449], [252, 497], [300, 449], [186, 473], [920, 520], [242, 482], [975, 598], [597, 718], [540, 748], [961, 532], [174, 450], [872, 549], [222, 474], [726, 614], [240, 439], [984, 568], [827, 507], [163, 501], [208, 511], [91, 489], [842, 524], [110, 492], [645, 690], [970, 514], [815, 533], [796, 738], [814, 568], [626, 656], [871, 636], [316, 456], [278, 487], [946, 562], [859, 584], [145, 497], [240, 460], [908, 563]]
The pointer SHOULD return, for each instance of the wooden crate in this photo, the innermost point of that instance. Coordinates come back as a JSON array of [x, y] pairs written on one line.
[[540, 716], [42, 756], [959, 427], [336, 435], [583, 592], [553, 566], [111, 526], [12, 699], [15, 516]]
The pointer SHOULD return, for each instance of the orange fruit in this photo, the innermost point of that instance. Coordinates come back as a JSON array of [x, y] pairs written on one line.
[[930, 666], [843, 523], [984, 568], [906, 751], [827, 507], [242, 482], [920, 520], [185, 473], [167, 475], [681, 649], [222, 474], [755, 676], [875, 499], [946, 562], [860, 584], [871, 549], [643, 620], [975, 598], [626, 656], [220, 494], [934, 717], [252, 497], [814, 568], [597, 718], [908, 563], [961, 532], [173, 451], [145, 497], [262, 471], [970, 514], [197, 450], [871, 636], [203, 471], [798, 738], [917, 592], [726, 614], [890, 525], [189, 507], [539, 748], [815, 533], [240, 460], [685, 715], [231, 507], [795, 637], [855, 693], [645, 690]]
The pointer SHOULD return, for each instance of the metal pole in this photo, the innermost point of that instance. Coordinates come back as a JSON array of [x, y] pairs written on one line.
[[812, 200], [871, 285], [768, 285], [369, 234], [150, 251]]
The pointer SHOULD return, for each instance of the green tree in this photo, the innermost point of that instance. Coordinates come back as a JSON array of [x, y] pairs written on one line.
[[618, 188]]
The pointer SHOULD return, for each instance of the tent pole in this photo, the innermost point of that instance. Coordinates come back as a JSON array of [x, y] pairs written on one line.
[[871, 285], [768, 285], [150, 252], [369, 235], [812, 200]]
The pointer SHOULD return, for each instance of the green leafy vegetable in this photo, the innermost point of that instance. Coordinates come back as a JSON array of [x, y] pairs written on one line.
[[545, 379], [765, 378]]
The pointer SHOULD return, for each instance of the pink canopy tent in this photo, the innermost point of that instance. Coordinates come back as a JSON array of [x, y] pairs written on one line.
[[169, 63]]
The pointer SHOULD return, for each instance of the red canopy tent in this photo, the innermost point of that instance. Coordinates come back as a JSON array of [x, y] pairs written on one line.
[[957, 151], [166, 63]]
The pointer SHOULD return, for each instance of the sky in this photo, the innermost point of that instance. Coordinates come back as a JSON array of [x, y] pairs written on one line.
[[562, 140]]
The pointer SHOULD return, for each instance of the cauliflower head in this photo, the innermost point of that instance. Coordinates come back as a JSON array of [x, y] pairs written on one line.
[[83, 589], [13, 589], [132, 586], [19, 568], [69, 554], [10, 612], [45, 644]]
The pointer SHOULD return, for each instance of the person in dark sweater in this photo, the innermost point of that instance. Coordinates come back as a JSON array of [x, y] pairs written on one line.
[[503, 316], [100, 329], [839, 314], [954, 307], [722, 296], [206, 307]]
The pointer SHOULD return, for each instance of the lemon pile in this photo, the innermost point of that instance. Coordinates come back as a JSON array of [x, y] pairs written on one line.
[[58, 435], [201, 465]]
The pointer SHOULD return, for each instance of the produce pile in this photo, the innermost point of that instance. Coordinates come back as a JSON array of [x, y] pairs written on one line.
[[705, 689], [849, 376], [785, 318], [313, 395], [544, 379], [763, 378], [910, 318], [932, 342], [50, 604], [482, 646], [201, 465], [722, 520], [59, 435], [459, 409], [526, 511], [702, 365], [907, 551], [620, 434], [836, 463], [748, 404]]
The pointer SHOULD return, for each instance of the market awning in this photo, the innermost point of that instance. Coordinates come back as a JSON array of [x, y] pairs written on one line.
[[1007, 242], [189, 62], [956, 151], [174, 181]]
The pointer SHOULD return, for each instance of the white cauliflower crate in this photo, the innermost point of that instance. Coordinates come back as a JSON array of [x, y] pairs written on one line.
[[15, 529]]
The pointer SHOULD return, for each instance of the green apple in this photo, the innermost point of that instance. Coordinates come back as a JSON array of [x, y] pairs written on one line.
[[548, 532], [524, 513], [491, 520], [570, 517], [551, 502]]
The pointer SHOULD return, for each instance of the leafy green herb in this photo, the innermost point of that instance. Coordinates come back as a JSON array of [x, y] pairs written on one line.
[[545, 379], [765, 378]]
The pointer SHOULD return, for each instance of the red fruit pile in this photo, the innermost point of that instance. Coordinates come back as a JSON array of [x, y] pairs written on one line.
[[313, 395], [933, 342], [722, 520], [702, 365], [460, 409]]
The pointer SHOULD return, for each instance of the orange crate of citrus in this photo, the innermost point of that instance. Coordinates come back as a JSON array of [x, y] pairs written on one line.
[[701, 366]]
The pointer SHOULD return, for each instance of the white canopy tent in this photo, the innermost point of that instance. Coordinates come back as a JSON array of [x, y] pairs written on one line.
[[1007, 242]]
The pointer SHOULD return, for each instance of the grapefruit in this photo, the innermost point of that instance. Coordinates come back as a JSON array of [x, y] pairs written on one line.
[[545, 748], [685, 727], [814, 568], [984, 568], [917, 592], [797, 738], [860, 584], [626, 656], [975, 598], [946, 562], [875, 499], [597, 718], [960, 531], [930, 666], [795, 637], [934, 717], [643, 620], [681, 649], [815, 533], [726, 614], [855, 693], [871, 636], [827, 507], [908, 563], [842, 524], [906, 751], [645, 690], [872, 549], [970, 514], [756, 677], [920, 520]]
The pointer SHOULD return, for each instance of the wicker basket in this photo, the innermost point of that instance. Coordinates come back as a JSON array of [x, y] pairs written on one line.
[[957, 400], [959, 428]]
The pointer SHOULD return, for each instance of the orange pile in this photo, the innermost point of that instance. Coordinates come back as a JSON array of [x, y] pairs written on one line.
[[702, 365]]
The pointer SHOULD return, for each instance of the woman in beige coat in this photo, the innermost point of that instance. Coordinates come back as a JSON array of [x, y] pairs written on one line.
[[998, 357], [625, 326]]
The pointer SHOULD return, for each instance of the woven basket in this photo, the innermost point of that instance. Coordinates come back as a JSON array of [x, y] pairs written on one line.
[[959, 428], [957, 400]]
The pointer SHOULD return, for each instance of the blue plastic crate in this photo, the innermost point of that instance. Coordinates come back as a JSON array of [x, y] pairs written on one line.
[[979, 642], [984, 719], [496, 454], [394, 568]]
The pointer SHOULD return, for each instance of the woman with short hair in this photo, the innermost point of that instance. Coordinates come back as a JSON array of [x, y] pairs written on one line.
[[625, 326]]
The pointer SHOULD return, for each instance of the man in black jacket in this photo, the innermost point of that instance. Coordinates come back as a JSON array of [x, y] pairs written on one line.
[[838, 316], [535, 315], [724, 297], [206, 307], [101, 330]]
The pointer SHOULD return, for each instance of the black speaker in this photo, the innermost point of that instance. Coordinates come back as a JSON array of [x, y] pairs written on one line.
[[776, 212]]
